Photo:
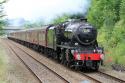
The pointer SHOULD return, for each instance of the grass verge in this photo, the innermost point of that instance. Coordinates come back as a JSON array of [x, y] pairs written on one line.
[[3, 61]]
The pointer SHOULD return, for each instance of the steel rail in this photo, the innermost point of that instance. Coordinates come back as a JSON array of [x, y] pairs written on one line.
[[112, 77]]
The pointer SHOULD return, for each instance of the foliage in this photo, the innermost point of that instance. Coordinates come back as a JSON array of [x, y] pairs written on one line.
[[104, 12], [109, 17], [60, 19], [36, 24], [94, 15], [2, 21], [122, 10]]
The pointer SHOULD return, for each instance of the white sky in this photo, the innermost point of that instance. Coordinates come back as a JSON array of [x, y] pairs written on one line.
[[46, 9]]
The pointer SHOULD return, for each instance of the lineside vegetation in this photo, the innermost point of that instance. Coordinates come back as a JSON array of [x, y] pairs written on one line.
[[109, 17]]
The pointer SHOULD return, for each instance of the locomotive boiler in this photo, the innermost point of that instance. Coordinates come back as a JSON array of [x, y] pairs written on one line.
[[77, 32]]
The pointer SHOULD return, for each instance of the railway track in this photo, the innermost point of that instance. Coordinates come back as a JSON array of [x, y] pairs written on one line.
[[34, 74], [112, 77], [91, 78], [102, 77], [101, 74]]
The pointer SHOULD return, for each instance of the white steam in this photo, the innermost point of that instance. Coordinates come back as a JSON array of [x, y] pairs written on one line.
[[45, 9]]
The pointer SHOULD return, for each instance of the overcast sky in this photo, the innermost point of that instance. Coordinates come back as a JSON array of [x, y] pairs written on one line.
[[44, 9]]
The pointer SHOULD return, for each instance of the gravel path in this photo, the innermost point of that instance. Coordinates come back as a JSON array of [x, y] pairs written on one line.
[[16, 72]]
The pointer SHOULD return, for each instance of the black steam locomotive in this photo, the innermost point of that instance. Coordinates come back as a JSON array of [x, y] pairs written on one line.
[[77, 40]]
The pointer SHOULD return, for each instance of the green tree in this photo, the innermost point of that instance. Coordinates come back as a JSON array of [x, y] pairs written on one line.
[[36, 24], [2, 20], [95, 14], [122, 10], [60, 19], [1, 14], [104, 12]]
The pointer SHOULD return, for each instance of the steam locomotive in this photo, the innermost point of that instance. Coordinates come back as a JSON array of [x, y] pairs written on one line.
[[73, 43]]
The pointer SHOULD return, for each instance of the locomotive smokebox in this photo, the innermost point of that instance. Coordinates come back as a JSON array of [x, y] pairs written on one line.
[[86, 34]]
